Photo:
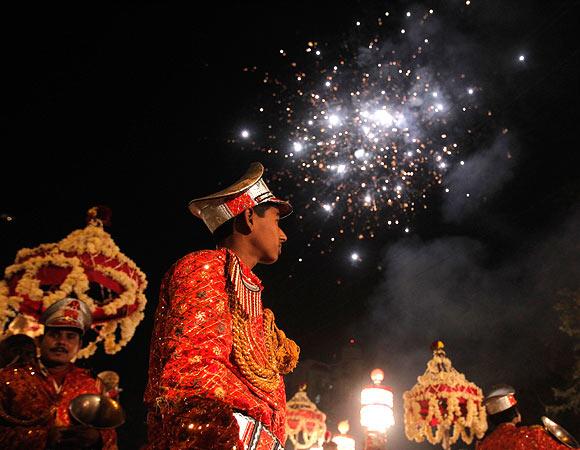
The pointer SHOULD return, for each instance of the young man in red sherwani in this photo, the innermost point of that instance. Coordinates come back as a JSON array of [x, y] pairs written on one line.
[[502, 412], [34, 397], [217, 357]]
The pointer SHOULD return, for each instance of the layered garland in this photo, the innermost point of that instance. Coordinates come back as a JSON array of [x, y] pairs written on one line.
[[444, 406], [84, 256], [8, 305], [305, 423], [29, 284], [282, 353]]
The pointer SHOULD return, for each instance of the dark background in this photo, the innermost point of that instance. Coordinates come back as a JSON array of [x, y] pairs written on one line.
[[132, 106]]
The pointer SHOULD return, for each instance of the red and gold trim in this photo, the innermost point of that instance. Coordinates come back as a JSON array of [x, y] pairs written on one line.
[[251, 190], [254, 435]]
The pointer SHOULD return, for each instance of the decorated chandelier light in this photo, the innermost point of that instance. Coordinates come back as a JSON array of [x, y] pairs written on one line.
[[376, 413], [305, 423], [444, 406], [343, 441], [87, 265]]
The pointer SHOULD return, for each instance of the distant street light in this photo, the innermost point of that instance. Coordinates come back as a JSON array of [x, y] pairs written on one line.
[[376, 412], [343, 440]]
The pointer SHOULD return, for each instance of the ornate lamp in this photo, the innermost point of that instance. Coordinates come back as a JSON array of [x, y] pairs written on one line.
[[376, 412], [305, 423], [343, 440], [87, 265], [443, 406]]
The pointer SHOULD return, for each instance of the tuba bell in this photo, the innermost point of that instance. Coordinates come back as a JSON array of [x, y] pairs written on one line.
[[559, 433]]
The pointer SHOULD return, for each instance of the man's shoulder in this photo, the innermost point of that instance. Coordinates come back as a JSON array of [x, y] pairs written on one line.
[[200, 260], [533, 430], [83, 379], [504, 429], [81, 372], [503, 437]]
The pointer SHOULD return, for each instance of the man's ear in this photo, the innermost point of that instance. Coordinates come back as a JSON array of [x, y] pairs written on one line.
[[248, 216], [244, 222]]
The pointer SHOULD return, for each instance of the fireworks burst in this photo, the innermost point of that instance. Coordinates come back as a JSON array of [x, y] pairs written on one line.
[[366, 130]]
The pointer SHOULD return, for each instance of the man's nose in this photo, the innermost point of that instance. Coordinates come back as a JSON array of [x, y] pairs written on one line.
[[283, 237]]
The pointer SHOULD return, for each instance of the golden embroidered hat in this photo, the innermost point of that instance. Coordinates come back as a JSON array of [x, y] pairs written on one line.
[[68, 313], [500, 398], [249, 191]]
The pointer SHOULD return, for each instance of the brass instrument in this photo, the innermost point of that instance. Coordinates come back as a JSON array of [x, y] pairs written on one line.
[[97, 411], [559, 433]]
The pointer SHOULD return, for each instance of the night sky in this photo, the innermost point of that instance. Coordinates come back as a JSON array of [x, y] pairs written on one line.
[[140, 107]]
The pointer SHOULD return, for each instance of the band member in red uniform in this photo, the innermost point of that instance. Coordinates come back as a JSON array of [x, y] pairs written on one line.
[[502, 412], [217, 357], [34, 397]]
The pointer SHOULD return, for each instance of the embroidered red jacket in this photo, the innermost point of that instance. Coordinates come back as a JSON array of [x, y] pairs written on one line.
[[30, 405], [191, 354], [509, 437]]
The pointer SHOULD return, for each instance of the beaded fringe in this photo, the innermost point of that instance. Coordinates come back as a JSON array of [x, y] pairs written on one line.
[[281, 354], [247, 294]]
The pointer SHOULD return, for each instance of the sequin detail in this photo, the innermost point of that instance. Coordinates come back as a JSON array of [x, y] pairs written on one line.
[[509, 437], [31, 405], [187, 366]]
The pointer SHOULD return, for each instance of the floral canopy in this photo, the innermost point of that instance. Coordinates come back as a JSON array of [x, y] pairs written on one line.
[[444, 406], [87, 265], [305, 423]]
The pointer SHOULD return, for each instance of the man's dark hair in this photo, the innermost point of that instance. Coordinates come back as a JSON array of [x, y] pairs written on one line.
[[226, 229], [505, 416]]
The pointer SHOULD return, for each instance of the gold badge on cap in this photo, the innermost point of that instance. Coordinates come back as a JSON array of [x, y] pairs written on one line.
[[67, 313]]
